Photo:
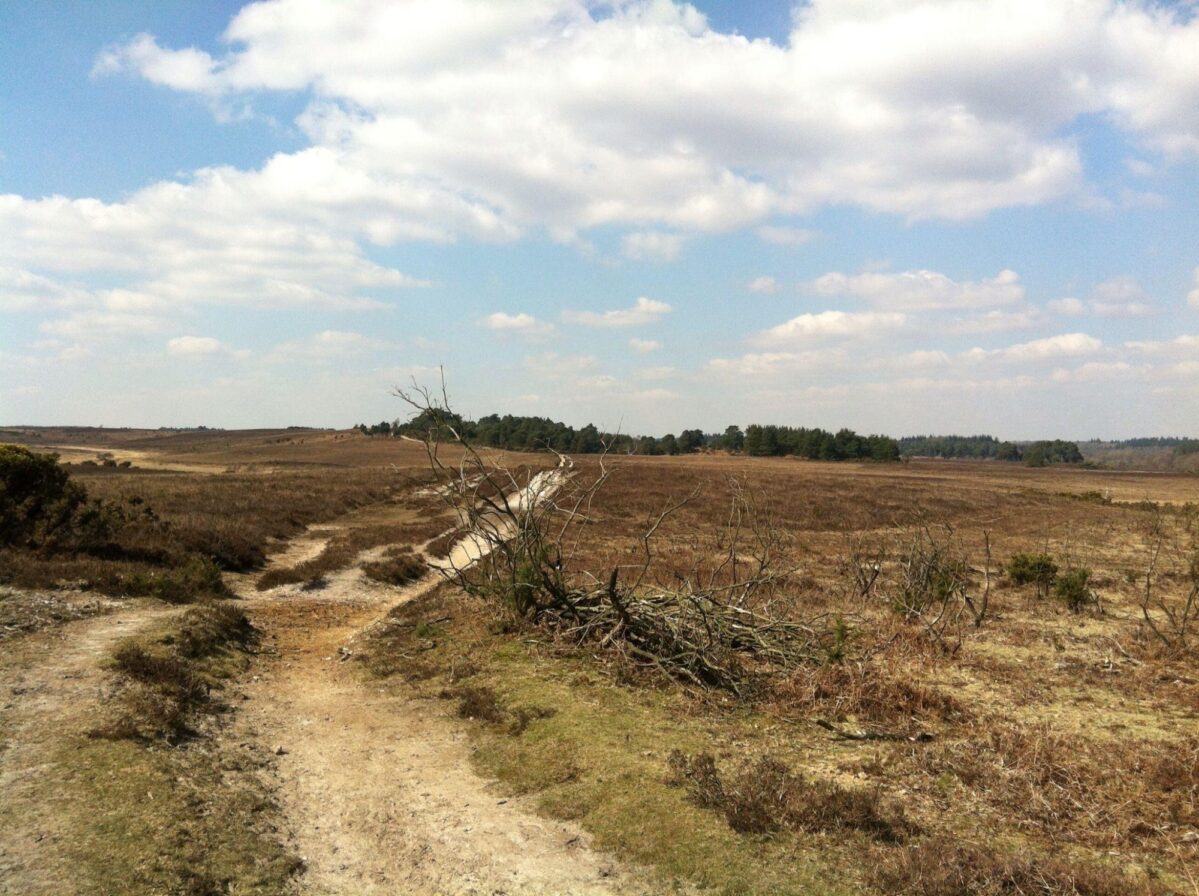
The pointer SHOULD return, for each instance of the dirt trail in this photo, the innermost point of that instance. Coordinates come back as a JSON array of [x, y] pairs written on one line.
[[377, 789], [50, 684]]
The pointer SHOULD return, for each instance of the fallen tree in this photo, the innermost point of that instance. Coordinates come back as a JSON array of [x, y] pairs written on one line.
[[721, 627]]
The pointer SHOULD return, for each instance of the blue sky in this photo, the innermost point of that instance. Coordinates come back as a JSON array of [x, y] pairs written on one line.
[[901, 217]]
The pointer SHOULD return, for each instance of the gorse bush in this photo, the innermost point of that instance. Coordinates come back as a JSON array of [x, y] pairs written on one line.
[[1038, 569], [1072, 588], [41, 508]]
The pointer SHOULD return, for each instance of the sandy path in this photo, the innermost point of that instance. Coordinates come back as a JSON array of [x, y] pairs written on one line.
[[377, 788], [51, 683]]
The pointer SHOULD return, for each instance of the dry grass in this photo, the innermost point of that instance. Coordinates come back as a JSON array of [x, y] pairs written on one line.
[[950, 868], [167, 677], [399, 566], [765, 796], [1050, 738]]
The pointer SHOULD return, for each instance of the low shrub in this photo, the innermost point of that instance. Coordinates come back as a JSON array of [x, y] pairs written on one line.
[[866, 691], [195, 578], [1032, 569], [398, 567], [167, 682], [942, 867], [1073, 588], [482, 704], [765, 796]]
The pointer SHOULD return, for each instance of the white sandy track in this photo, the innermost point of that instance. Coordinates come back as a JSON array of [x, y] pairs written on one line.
[[376, 787]]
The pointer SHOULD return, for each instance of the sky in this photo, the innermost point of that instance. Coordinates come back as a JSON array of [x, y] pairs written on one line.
[[900, 216]]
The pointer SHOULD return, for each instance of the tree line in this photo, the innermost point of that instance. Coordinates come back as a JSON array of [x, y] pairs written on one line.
[[1034, 454], [519, 433]]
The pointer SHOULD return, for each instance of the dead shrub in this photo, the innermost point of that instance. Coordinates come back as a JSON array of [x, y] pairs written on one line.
[[164, 683], [868, 692], [765, 796], [399, 567], [168, 673], [942, 867], [204, 630], [481, 703], [444, 543]]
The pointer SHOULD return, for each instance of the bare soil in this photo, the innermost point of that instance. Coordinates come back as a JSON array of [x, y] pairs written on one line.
[[376, 786]]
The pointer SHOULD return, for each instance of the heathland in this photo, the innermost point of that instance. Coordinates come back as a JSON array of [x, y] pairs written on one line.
[[228, 667]]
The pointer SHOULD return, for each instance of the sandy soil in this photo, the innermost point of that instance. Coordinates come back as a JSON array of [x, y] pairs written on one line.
[[51, 683], [376, 787]]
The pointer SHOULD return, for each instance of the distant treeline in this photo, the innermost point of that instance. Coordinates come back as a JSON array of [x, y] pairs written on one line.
[[1180, 444], [818, 444], [958, 446], [1035, 454], [515, 433]]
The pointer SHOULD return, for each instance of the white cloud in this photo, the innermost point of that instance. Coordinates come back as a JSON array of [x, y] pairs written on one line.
[[523, 325], [655, 373], [539, 113], [553, 366], [329, 344], [644, 311], [754, 365], [1070, 307], [22, 290], [763, 285], [830, 325], [1094, 371], [994, 322], [652, 246], [644, 346], [786, 236], [922, 358], [102, 325], [921, 290], [1119, 297], [1064, 345], [1183, 344], [195, 347]]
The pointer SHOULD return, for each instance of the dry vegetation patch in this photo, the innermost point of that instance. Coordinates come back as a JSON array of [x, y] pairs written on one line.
[[988, 719]]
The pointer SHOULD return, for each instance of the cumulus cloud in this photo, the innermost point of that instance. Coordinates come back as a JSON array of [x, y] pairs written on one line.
[[655, 373], [644, 346], [1179, 344], [830, 325], [1063, 345], [652, 246], [763, 285], [1070, 307], [330, 344], [994, 322], [1115, 297], [644, 311], [786, 236], [763, 365], [195, 347], [1119, 297], [1094, 371], [526, 326], [22, 290], [921, 290], [923, 110]]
